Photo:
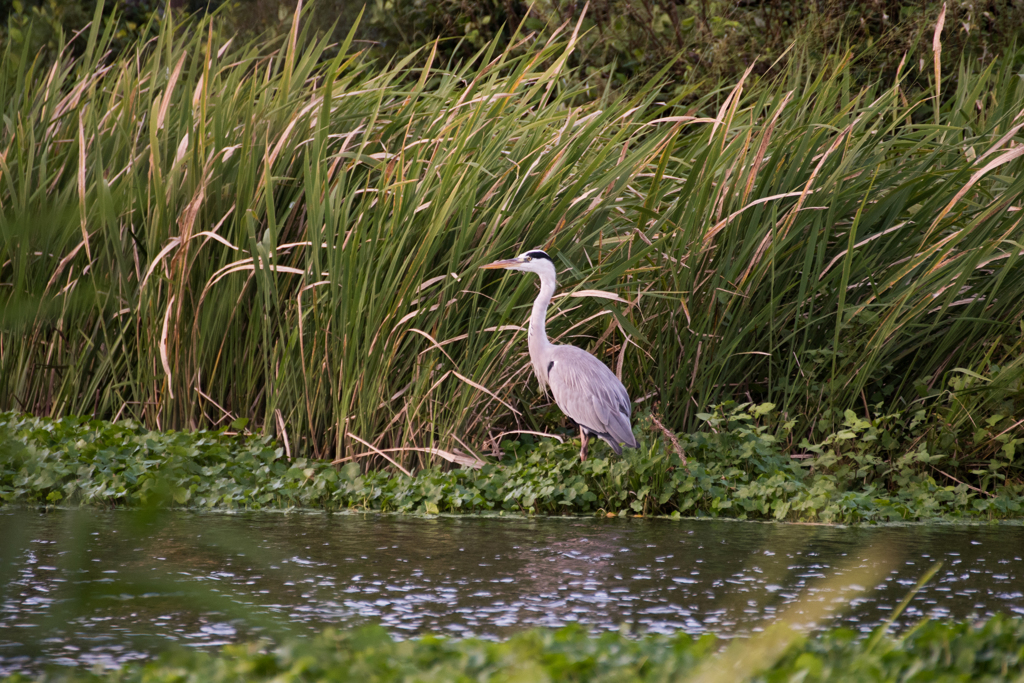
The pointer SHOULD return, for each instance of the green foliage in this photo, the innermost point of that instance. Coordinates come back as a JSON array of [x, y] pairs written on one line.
[[81, 462], [623, 42], [739, 470], [36, 30], [988, 651], [710, 43]]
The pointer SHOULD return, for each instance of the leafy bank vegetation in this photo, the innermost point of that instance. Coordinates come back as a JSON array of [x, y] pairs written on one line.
[[742, 471], [989, 651], [199, 230]]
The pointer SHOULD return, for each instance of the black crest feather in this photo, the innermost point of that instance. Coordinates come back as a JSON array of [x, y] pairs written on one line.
[[537, 253]]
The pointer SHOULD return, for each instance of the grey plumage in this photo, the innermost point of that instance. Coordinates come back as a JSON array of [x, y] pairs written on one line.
[[583, 387], [588, 392]]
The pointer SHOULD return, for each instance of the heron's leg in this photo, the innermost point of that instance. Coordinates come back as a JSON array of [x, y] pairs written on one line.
[[583, 444]]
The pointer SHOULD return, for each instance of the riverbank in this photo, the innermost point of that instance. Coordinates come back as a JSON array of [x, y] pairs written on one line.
[[740, 471]]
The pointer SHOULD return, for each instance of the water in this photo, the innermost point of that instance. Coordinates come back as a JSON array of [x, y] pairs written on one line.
[[105, 587]]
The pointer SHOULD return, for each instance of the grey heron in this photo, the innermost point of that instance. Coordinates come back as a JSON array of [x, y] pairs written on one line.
[[583, 387]]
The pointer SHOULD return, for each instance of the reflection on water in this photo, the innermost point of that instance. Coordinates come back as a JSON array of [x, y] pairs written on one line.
[[89, 587]]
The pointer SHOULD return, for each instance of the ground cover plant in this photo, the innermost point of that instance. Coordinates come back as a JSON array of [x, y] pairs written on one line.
[[199, 231], [742, 472], [989, 651]]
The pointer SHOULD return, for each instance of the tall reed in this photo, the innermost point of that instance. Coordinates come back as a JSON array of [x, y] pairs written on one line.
[[843, 250]]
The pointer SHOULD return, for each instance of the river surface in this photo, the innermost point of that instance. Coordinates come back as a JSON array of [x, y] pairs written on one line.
[[104, 587]]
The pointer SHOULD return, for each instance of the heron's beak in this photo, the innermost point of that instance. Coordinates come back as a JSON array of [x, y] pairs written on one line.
[[504, 263]]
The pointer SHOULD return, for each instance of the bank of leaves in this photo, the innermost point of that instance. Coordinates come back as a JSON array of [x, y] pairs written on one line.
[[991, 651], [735, 468]]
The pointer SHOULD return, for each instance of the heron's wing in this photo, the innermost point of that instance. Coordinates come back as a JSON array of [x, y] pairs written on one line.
[[588, 392]]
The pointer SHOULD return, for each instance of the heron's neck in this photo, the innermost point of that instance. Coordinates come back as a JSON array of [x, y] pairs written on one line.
[[538, 336]]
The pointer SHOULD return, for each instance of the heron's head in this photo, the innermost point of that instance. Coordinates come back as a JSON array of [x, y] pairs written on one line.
[[533, 261]]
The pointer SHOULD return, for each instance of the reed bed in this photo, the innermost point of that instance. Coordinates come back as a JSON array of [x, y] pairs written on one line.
[[201, 233]]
